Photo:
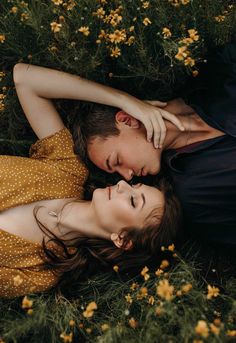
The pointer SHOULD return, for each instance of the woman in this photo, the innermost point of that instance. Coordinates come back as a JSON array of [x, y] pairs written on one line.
[[46, 231]]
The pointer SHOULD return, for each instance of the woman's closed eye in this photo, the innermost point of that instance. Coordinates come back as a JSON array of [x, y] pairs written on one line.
[[132, 201]]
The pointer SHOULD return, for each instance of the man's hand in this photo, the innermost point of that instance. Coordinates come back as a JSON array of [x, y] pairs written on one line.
[[151, 114]]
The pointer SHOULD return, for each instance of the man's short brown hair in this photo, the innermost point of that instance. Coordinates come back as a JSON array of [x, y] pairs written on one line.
[[94, 120]]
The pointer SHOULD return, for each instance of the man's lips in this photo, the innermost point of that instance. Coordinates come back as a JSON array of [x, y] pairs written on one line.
[[141, 172]]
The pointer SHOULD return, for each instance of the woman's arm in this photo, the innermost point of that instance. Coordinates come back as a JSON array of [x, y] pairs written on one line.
[[36, 85]]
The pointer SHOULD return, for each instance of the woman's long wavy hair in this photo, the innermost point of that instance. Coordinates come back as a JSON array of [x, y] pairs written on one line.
[[78, 259]]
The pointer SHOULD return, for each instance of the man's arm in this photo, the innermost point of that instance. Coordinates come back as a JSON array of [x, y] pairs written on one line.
[[37, 85]]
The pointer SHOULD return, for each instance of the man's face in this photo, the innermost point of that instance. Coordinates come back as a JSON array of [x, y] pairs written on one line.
[[128, 154]]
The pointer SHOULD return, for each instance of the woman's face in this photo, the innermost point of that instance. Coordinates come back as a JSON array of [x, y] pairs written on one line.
[[123, 206]]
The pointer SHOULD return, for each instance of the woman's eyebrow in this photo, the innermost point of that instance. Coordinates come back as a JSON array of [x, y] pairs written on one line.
[[108, 163]]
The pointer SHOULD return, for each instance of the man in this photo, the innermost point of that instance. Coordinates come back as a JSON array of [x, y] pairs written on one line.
[[201, 160]]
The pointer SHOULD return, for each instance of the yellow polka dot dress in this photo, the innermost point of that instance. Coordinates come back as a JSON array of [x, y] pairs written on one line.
[[53, 171]]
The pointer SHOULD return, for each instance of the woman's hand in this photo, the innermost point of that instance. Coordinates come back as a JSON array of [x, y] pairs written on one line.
[[151, 113]]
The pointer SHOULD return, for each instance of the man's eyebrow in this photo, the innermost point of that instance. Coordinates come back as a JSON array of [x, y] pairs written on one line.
[[144, 200], [108, 163]]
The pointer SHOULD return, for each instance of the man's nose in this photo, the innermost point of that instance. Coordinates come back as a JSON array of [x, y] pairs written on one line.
[[127, 174]]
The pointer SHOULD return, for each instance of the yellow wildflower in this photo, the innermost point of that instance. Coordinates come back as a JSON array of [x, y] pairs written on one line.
[[179, 293], [187, 41], [128, 298], [130, 40], [84, 30], [219, 18], [231, 333], [166, 32], [2, 74], [114, 18], [202, 329], [102, 34], [182, 53], [2, 38], [145, 274], [171, 247], [217, 321], [53, 49], [185, 2], [133, 323], [90, 309], [146, 4], [158, 272], [174, 3], [72, 322], [88, 330], [17, 280], [24, 16], [116, 269], [118, 36], [55, 27], [214, 329], [67, 338], [70, 5], [143, 292], [193, 34], [30, 311], [186, 288], [24, 4], [57, 2], [105, 327], [26, 303], [61, 18], [151, 300], [189, 61], [164, 264], [2, 106], [159, 311], [146, 21], [115, 52], [134, 286], [100, 12], [212, 291], [165, 290], [131, 29], [163, 248], [14, 9]]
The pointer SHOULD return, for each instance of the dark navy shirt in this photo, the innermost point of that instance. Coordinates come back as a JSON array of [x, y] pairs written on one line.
[[204, 174]]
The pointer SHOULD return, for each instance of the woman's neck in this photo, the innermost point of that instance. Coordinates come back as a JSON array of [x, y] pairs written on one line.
[[78, 216]]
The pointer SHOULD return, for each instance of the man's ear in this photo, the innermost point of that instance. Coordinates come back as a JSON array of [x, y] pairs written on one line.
[[126, 119], [118, 240]]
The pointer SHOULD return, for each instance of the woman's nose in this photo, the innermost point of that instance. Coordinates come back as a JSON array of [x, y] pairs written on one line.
[[123, 186]]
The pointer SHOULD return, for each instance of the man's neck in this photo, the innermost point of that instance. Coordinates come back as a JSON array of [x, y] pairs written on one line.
[[195, 128]]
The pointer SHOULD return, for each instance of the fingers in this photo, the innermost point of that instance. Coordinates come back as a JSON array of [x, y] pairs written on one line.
[[173, 119], [156, 129], [149, 128], [162, 133], [156, 103]]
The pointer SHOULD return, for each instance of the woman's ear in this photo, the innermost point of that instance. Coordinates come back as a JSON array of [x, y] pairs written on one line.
[[118, 240], [126, 119]]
